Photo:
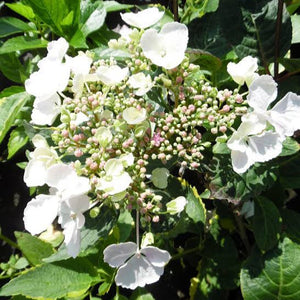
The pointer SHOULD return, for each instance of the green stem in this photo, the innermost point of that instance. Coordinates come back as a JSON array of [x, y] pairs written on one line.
[[175, 10], [241, 230], [277, 37], [189, 251], [8, 241]]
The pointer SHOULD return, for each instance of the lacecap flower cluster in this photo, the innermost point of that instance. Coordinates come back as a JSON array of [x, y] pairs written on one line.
[[109, 120]]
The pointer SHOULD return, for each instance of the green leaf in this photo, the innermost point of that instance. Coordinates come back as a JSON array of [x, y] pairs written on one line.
[[11, 67], [93, 230], [15, 89], [20, 43], [290, 64], [92, 17], [254, 27], [111, 6], [221, 148], [266, 223], [125, 225], [290, 172], [53, 280], [227, 184], [18, 139], [10, 25], [291, 224], [22, 9], [141, 294], [195, 208], [296, 28], [274, 275], [290, 146], [61, 15], [9, 109], [33, 248]]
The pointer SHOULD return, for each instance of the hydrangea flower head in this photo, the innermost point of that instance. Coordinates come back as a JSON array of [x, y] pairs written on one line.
[[166, 48], [136, 268], [144, 18]]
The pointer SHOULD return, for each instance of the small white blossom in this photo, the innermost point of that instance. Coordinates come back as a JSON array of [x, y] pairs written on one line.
[[112, 75], [67, 200], [134, 116], [250, 144], [284, 116], [177, 205], [104, 136], [41, 159], [144, 18], [167, 48], [136, 268], [116, 180], [141, 83], [244, 71]]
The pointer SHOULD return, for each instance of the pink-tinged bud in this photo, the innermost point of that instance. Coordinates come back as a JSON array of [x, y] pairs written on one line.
[[143, 170], [140, 162], [88, 161], [155, 219], [239, 99], [169, 119], [211, 118], [73, 126], [223, 129], [226, 108], [65, 133], [195, 165], [179, 147], [192, 108], [183, 119], [149, 205], [94, 166], [76, 138], [129, 206], [143, 210], [195, 140], [78, 152], [161, 156], [91, 98], [95, 103], [179, 79], [93, 131]]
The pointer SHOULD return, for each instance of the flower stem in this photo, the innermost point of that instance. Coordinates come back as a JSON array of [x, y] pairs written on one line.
[[186, 252], [241, 230], [8, 241], [137, 229], [277, 37], [175, 10]]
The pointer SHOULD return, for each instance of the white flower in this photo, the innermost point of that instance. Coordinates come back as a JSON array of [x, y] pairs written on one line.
[[141, 83], [67, 201], [177, 205], [51, 78], [57, 49], [167, 48], [159, 177], [144, 18], [104, 136], [284, 116], [250, 144], [40, 160], [244, 71], [136, 267], [116, 180], [40, 212], [134, 116], [111, 75], [45, 110], [80, 67], [72, 220]]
